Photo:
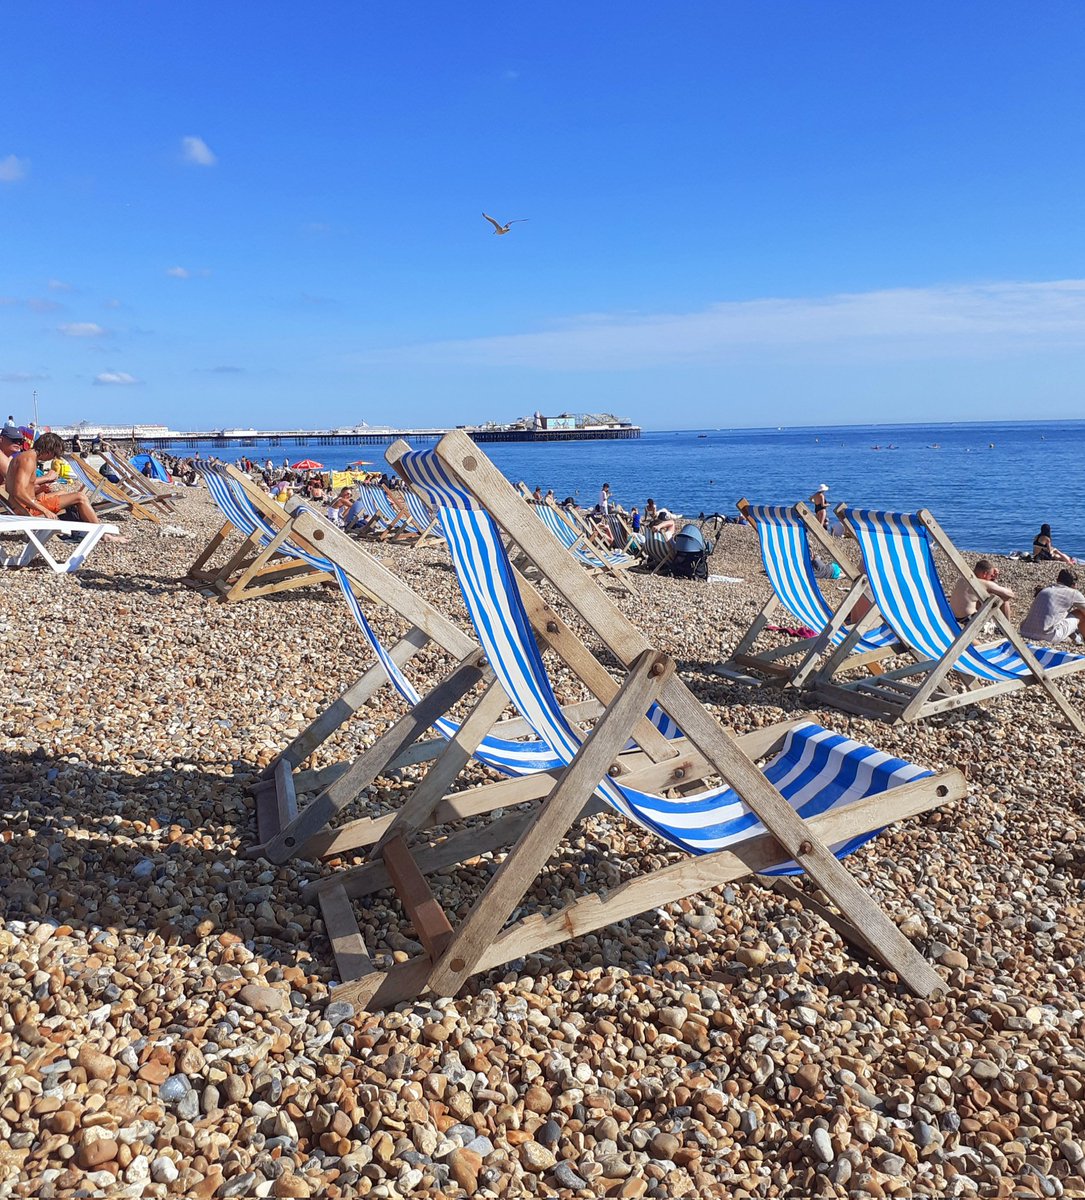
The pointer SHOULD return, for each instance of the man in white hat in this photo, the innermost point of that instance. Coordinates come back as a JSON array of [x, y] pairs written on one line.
[[820, 501]]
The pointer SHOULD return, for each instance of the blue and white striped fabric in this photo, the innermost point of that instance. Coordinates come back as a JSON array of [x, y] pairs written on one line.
[[785, 551], [93, 488], [377, 504], [899, 564], [421, 517], [815, 770], [247, 519], [560, 528]]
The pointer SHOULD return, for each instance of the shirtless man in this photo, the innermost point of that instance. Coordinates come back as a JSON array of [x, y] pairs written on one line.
[[23, 490], [964, 600]]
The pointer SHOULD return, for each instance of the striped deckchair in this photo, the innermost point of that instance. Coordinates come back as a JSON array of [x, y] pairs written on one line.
[[35, 534], [387, 523], [422, 518], [837, 791], [137, 486], [784, 535], [900, 571], [106, 497], [610, 563], [287, 827], [270, 558], [659, 550]]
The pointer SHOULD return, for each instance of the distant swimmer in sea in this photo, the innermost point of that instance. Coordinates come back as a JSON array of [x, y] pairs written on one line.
[[1044, 551], [499, 228]]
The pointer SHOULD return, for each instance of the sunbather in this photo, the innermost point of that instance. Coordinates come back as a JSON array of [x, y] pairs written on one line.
[[964, 600], [1044, 551], [28, 500]]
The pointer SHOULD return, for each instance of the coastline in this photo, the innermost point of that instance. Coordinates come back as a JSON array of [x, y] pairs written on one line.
[[728, 1045]]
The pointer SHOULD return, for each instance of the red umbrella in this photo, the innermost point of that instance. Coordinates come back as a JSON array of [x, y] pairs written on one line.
[[307, 464], [359, 462]]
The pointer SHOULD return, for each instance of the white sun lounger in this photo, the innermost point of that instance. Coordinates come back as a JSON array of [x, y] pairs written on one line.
[[36, 534]]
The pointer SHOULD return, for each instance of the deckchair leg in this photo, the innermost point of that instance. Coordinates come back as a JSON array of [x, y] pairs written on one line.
[[317, 814], [914, 707], [794, 834], [196, 570], [1038, 673], [515, 875]]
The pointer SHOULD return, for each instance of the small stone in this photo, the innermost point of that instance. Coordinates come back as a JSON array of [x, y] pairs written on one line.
[[985, 1070], [537, 1099], [90, 1155], [464, 1166], [953, 959], [568, 1178], [174, 1089], [289, 1185], [240, 1185], [96, 1064], [752, 956], [823, 1145], [664, 1146], [262, 999], [164, 1170], [536, 1158]]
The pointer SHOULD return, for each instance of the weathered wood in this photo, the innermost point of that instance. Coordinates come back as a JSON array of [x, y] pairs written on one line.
[[427, 917], [348, 946], [645, 680], [321, 810], [285, 799]]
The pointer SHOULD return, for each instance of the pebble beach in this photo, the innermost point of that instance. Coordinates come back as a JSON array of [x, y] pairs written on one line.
[[168, 1024]]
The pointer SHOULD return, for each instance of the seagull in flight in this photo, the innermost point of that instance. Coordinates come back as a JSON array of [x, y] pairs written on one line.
[[499, 228]]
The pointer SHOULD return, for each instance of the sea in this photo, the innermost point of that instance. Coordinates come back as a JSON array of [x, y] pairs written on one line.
[[989, 485]]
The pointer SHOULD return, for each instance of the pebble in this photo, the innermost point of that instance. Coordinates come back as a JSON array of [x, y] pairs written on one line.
[[167, 1025]]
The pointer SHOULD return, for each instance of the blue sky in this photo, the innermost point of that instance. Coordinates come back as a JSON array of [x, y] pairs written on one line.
[[739, 213]]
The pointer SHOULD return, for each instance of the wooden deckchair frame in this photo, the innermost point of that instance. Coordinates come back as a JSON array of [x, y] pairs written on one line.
[[893, 697], [148, 489], [288, 829], [113, 491], [793, 664], [586, 540], [450, 956], [254, 569]]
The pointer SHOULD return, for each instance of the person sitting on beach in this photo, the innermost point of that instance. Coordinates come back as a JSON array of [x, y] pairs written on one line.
[[1057, 612], [31, 498], [340, 506], [964, 601], [658, 519], [820, 501], [1044, 551], [537, 494]]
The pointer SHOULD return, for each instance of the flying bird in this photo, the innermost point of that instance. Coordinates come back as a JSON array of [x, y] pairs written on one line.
[[499, 228]]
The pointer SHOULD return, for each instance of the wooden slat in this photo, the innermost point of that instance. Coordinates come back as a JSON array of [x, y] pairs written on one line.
[[424, 913], [286, 800], [348, 946]]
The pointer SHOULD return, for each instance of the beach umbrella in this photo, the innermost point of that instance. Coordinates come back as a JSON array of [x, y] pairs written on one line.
[[307, 464], [359, 462]]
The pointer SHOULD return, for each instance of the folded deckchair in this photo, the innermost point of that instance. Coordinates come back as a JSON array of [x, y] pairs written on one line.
[[819, 787], [597, 560], [37, 534], [138, 486], [900, 573], [288, 827], [270, 558], [98, 486], [784, 535]]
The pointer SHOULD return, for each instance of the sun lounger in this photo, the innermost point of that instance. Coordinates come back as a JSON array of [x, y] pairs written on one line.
[[900, 572], [784, 535], [760, 822], [37, 536], [270, 558]]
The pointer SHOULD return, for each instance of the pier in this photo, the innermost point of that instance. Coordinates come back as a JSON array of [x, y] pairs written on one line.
[[159, 438]]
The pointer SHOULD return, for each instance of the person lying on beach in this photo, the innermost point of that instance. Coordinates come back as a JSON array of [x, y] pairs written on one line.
[[1057, 612], [963, 599], [658, 519], [27, 500], [1044, 551]]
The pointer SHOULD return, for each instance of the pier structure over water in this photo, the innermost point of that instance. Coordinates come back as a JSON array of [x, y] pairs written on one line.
[[159, 437]]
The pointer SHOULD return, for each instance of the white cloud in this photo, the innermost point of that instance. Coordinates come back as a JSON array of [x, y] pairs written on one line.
[[13, 169], [196, 150], [985, 319], [178, 272], [115, 377], [82, 329], [22, 377], [58, 285]]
